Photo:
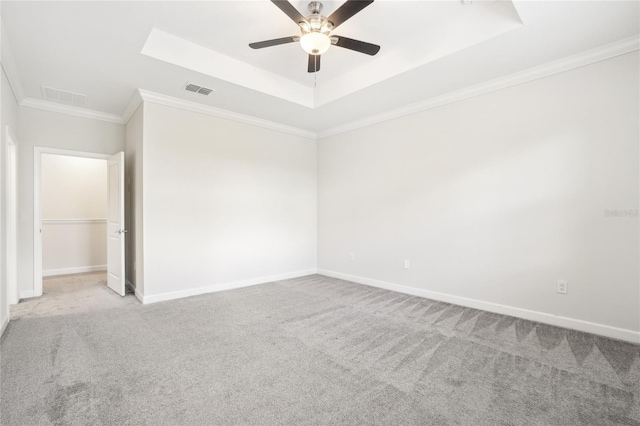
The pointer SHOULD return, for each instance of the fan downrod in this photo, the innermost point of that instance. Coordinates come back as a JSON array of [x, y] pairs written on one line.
[[315, 7]]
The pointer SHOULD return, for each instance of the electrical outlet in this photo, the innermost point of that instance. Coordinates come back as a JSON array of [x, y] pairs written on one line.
[[352, 257], [562, 287], [406, 264]]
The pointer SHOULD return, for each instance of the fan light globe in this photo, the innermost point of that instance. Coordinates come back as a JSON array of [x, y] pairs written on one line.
[[315, 43]]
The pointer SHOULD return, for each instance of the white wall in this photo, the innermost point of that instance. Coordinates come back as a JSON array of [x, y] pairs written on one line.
[[134, 200], [74, 205], [73, 187], [224, 202], [9, 117], [53, 130], [497, 197]]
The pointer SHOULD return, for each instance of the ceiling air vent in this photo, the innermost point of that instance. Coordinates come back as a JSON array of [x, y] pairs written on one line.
[[63, 96], [197, 89]]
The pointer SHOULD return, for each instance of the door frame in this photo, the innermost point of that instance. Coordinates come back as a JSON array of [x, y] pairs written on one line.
[[11, 209], [37, 205]]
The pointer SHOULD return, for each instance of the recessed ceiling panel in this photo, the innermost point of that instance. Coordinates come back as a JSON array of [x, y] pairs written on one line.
[[213, 38]]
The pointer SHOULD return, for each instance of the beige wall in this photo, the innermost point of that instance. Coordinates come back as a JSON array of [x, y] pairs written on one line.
[[73, 187], [495, 198], [74, 203]]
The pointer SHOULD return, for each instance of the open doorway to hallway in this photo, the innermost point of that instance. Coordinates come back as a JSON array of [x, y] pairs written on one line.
[[74, 210], [79, 233], [63, 173]]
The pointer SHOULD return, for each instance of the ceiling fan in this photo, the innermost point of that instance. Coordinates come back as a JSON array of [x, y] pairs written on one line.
[[316, 30]]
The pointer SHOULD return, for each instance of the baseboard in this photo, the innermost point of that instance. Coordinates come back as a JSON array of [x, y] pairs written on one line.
[[77, 270], [137, 293], [220, 287], [3, 327], [571, 323], [139, 296], [26, 294]]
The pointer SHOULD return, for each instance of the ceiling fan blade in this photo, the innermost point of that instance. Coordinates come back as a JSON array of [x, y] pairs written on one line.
[[314, 63], [289, 10], [347, 10], [274, 42], [357, 45]]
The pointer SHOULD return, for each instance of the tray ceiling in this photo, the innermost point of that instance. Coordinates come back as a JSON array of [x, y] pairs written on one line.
[[109, 50]]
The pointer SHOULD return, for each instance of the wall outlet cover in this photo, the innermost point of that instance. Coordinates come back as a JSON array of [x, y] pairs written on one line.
[[562, 287]]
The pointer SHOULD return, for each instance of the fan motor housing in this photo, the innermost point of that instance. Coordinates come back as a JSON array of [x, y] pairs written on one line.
[[315, 7], [316, 22]]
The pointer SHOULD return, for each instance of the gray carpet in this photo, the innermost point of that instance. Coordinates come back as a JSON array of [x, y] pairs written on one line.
[[312, 350], [71, 294]]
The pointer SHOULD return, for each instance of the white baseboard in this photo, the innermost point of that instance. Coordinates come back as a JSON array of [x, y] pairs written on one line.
[[542, 317], [77, 270], [220, 287], [137, 293], [25, 294], [3, 327], [139, 296]]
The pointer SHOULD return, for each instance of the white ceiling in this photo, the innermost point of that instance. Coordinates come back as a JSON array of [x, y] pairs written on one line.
[[429, 48], [429, 30]]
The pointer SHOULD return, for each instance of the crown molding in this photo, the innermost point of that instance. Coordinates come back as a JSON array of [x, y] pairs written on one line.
[[132, 107], [602, 53], [71, 110], [157, 98]]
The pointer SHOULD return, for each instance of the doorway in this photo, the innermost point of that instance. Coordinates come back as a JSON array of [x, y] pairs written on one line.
[[78, 218], [74, 210]]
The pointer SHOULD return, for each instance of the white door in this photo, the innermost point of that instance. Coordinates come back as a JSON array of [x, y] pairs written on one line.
[[115, 224]]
